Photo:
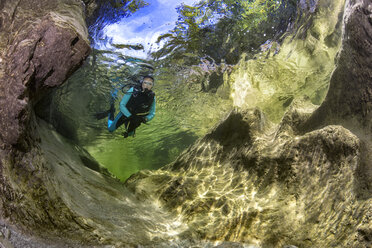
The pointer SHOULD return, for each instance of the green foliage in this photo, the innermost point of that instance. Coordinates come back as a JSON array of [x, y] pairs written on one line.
[[256, 12], [224, 29], [131, 5], [134, 47], [136, 4]]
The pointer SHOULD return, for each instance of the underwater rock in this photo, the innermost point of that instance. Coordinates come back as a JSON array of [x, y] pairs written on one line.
[[240, 184], [42, 43], [43, 49], [349, 99]]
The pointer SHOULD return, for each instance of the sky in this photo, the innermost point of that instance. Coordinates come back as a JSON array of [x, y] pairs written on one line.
[[146, 25]]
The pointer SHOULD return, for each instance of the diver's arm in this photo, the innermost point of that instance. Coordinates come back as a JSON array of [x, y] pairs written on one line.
[[124, 102], [151, 115]]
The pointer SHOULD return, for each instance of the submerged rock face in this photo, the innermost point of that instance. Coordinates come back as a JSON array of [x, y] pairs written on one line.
[[298, 68], [40, 48], [41, 44]]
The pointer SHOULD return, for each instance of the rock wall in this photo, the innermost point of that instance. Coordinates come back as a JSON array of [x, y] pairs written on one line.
[[40, 48], [41, 44]]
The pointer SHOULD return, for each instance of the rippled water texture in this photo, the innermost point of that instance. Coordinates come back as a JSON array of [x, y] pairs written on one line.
[[193, 92]]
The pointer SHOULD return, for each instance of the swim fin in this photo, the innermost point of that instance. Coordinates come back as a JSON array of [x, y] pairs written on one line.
[[101, 115], [108, 113]]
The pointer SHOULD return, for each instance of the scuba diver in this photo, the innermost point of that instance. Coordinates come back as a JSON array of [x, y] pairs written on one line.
[[137, 106]]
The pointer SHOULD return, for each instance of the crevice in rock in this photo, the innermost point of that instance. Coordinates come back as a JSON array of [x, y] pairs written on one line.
[[74, 41], [15, 10]]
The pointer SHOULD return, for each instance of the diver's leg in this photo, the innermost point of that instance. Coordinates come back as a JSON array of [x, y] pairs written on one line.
[[111, 111], [123, 120], [101, 115], [132, 125], [112, 125]]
